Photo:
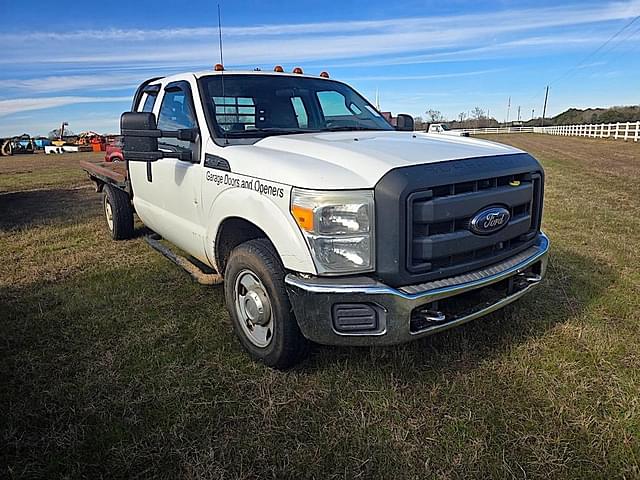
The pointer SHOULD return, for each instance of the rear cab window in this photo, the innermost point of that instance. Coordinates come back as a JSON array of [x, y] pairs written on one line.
[[148, 102]]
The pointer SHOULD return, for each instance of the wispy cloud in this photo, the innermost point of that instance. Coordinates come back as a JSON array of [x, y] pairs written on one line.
[[304, 41], [75, 67], [428, 76], [505, 20], [61, 83], [15, 105]]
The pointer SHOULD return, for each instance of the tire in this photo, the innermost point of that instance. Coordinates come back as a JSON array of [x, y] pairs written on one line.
[[118, 213], [7, 148], [254, 278]]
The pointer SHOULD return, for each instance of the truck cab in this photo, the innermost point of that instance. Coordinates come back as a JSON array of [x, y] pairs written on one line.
[[327, 224]]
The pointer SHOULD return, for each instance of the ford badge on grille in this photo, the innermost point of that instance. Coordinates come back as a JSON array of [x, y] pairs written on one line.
[[489, 220]]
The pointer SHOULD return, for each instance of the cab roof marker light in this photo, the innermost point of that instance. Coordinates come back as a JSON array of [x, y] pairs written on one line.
[[298, 70], [278, 68], [218, 67], [324, 74]]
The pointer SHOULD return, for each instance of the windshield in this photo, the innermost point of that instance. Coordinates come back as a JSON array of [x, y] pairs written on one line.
[[262, 105]]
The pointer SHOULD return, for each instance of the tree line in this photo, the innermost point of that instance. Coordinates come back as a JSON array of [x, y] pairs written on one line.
[[479, 118]]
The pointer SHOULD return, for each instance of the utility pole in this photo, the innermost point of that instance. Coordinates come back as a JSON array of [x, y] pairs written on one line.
[[508, 110], [518, 112], [533, 111], [544, 110]]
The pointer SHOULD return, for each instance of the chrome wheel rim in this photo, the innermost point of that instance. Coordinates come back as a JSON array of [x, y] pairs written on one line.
[[253, 308], [108, 213]]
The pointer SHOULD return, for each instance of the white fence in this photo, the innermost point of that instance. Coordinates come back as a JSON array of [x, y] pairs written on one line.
[[479, 131], [625, 131], [621, 130]]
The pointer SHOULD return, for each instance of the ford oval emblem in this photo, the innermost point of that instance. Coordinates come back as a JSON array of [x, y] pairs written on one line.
[[489, 220]]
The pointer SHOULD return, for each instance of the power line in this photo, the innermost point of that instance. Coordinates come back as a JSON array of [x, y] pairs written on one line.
[[596, 51], [630, 35], [589, 56]]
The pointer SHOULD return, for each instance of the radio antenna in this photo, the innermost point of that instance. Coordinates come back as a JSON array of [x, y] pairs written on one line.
[[220, 35], [224, 99]]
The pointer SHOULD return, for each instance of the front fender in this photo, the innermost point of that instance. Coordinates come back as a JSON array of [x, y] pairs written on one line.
[[271, 215]]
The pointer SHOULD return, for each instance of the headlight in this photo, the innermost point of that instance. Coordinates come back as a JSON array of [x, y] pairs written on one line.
[[338, 227]]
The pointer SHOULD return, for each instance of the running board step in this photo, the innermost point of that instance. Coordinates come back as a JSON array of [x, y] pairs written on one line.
[[200, 272]]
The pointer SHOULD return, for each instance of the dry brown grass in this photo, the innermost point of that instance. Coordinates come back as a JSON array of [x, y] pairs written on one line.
[[28, 172], [114, 364]]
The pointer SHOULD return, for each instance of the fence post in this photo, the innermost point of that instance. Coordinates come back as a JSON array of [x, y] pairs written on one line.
[[637, 134]]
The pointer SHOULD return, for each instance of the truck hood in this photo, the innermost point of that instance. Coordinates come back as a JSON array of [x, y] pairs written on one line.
[[351, 160]]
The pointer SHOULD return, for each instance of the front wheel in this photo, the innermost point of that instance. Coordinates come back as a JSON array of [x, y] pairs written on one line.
[[259, 306]]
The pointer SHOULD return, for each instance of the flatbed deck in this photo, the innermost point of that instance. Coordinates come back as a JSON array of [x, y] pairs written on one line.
[[113, 173]]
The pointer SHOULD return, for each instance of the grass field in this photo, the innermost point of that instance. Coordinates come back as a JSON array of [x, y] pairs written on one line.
[[114, 364]]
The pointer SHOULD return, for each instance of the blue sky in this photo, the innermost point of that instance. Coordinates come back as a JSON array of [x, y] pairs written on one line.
[[81, 61]]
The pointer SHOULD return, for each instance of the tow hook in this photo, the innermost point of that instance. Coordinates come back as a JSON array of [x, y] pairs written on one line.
[[530, 277], [432, 316]]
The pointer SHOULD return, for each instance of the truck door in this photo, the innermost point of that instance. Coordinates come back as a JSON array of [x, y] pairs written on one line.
[[171, 189]]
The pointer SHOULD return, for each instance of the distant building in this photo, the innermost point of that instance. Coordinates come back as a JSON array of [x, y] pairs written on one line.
[[390, 118]]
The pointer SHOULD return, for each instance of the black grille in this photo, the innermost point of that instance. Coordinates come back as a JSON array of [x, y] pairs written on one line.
[[438, 237], [423, 211]]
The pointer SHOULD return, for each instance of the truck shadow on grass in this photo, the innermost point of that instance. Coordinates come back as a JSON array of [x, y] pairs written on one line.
[[573, 282], [52, 206], [19, 210]]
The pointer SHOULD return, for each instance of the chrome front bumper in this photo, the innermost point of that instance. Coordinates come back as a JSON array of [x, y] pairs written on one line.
[[314, 299]]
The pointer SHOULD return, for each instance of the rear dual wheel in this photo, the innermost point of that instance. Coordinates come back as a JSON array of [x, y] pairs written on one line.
[[118, 212]]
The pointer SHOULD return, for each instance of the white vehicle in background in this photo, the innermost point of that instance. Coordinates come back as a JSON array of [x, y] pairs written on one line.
[[445, 130], [326, 223]]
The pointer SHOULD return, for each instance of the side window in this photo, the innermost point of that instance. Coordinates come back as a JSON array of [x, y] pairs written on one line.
[[176, 112], [301, 112], [149, 102]]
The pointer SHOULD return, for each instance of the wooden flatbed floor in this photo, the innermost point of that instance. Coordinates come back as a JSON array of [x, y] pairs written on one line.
[[113, 173]]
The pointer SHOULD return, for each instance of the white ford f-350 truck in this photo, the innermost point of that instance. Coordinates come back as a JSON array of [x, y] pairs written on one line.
[[326, 223]]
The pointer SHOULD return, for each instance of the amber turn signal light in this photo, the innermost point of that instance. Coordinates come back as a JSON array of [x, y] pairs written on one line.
[[303, 216]]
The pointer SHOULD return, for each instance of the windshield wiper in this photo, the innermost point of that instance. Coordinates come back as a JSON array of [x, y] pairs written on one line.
[[270, 130], [349, 128]]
